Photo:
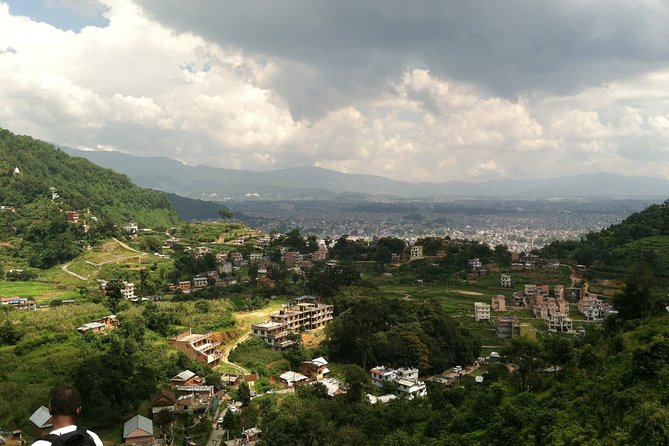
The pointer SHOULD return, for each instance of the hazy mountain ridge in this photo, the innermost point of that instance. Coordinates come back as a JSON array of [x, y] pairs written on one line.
[[317, 183]]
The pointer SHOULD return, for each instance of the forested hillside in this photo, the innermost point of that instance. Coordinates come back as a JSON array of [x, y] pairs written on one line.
[[642, 238], [79, 184]]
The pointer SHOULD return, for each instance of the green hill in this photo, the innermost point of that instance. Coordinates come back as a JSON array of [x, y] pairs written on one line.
[[642, 238], [40, 183], [79, 183]]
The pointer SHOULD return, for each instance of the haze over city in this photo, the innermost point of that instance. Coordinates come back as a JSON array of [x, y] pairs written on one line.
[[419, 91]]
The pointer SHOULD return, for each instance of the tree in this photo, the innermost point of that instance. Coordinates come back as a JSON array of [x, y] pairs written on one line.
[[502, 255], [253, 272], [431, 246], [225, 213], [230, 421], [114, 295], [525, 353], [637, 299], [295, 354], [9, 334], [357, 379], [202, 306], [244, 394]]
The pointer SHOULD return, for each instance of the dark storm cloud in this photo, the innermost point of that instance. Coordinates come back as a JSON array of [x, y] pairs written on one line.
[[507, 48]]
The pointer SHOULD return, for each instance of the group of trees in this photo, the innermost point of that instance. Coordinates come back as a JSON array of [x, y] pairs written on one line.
[[371, 330], [79, 183], [606, 248], [50, 182]]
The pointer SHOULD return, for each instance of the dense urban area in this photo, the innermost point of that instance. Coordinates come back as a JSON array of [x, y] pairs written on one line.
[[520, 224]]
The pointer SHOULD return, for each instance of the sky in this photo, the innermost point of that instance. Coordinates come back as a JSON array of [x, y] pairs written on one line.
[[433, 90]]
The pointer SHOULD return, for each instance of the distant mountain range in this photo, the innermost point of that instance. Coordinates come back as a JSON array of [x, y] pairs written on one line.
[[218, 184]]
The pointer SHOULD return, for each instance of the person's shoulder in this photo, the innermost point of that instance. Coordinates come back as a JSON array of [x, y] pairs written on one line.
[[94, 436], [41, 443]]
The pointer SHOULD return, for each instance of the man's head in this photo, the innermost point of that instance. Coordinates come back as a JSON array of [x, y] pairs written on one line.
[[66, 401]]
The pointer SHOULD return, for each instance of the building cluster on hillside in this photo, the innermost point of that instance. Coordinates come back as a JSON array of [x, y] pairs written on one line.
[[593, 308], [303, 313], [475, 268], [512, 327], [19, 303], [102, 325], [404, 379], [552, 308], [311, 372]]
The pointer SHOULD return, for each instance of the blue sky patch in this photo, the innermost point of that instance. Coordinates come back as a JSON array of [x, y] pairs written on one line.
[[64, 14]]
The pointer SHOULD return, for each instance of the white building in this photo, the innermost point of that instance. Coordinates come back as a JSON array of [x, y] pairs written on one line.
[[481, 311], [406, 379], [382, 374], [128, 290], [410, 389], [505, 281], [416, 252]]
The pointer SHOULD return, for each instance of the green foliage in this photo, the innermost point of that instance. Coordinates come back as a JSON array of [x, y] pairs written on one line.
[[373, 330], [638, 299], [430, 245], [79, 183], [619, 246], [113, 295], [244, 394], [327, 282], [51, 182], [254, 354], [9, 334]]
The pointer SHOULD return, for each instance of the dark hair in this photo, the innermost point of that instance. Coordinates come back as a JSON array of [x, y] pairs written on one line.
[[66, 400]]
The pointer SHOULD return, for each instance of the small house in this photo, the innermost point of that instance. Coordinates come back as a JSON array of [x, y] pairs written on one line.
[[41, 422], [138, 429]]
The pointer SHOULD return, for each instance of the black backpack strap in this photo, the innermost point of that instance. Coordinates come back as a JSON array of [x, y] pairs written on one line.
[[54, 439], [62, 440]]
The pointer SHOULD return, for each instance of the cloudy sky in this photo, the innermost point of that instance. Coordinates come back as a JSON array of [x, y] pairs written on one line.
[[419, 91]]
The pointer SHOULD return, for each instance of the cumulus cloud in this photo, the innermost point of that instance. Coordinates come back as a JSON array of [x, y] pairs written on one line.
[[413, 91], [488, 169]]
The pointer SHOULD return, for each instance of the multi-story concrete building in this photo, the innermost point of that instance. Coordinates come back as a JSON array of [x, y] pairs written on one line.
[[523, 329], [505, 281], [200, 347], [200, 282], [128, 290], [304, 313], [573, 294], [498, 303], [291, 258], [406, 379], [505, 326], [416, 252], [558, 291], [481, 311], [560, 322], [72, 216], [594, 308], [381, 374]]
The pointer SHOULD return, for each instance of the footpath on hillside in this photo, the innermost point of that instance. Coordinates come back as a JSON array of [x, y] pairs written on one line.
[[245, 319]]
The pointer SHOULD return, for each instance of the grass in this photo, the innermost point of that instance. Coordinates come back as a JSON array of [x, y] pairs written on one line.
[[42, 292], [256, 356]]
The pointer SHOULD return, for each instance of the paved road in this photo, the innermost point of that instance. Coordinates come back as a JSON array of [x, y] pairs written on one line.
[[218, 435]]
